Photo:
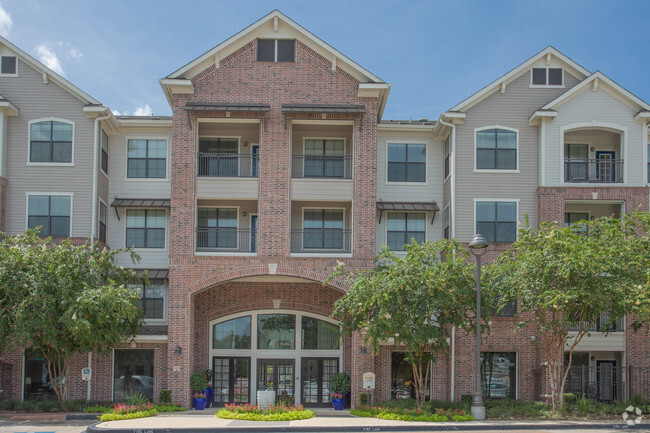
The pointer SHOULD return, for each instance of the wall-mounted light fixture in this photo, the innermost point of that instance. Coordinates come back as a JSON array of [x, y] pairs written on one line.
[[243, 213], [245, 143], [178, 350]]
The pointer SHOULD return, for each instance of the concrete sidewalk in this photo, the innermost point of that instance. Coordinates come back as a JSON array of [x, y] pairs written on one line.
[[329, 421]]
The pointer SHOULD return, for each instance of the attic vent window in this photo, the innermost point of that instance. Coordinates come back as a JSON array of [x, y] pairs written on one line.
[[547, 77], [8, 65], [275, 50]]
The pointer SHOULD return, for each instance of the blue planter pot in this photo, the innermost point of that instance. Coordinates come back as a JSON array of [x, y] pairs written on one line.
[[199, 403], [208, 396], [338, 403]]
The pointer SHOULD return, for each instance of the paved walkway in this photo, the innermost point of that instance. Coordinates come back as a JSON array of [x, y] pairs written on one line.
[[328, 421]]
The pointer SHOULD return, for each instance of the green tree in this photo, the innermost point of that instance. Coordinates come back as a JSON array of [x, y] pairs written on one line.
[[62, 300], [566, 277], [414, 300]]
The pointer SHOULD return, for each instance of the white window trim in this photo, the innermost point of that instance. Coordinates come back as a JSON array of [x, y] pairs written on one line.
[[144, 250], [68, 194], [545, 86], [509, 200], [623, 151], [499, 170], [426, 217], [108, 153], [226, 253], [444, 156], [99, 217], [426, 162], [14, 74], [29, 142], [254, 353], [126, 159]]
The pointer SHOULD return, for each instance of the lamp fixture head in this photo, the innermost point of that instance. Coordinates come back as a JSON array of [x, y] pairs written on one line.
[[478, 243]]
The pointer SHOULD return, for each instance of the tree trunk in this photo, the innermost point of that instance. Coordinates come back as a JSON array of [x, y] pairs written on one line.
[[420, 381]]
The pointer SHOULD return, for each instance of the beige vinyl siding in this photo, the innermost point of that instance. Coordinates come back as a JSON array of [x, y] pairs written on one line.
[[511, 109], [150, 258], [37, 100], [598, 108]]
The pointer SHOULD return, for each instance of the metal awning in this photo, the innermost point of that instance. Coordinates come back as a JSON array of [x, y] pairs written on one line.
[[224, 106], [153, 273], [322, 108], [406, 206], [141, 202]]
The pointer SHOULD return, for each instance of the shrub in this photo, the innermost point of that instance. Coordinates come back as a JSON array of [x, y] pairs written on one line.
[[249, 412], [136, 399], [403, 413], [467, 400], [168, 407], [363, 398], [10, 404], [199, 380], [339, 383], [130, 415], [100, 409], [165, 396]]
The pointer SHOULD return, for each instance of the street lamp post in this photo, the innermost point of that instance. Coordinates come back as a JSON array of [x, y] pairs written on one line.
[[478, 247]]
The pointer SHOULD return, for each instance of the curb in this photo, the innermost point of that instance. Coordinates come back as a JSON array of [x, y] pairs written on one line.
[[469, 426], [81, 416]]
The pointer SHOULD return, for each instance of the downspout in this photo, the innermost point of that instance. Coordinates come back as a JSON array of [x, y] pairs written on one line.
[[452, 212], [3, 144], [95, 178]]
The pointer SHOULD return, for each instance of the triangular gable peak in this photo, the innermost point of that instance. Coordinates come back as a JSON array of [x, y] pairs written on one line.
[[547, 58], [597, 81], [275, 25], [10, 49]]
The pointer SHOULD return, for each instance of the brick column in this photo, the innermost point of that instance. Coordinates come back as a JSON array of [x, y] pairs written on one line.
[[363, 361]]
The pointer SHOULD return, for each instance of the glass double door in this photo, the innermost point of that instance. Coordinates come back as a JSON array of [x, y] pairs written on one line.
[[231, 380], [315, 377]]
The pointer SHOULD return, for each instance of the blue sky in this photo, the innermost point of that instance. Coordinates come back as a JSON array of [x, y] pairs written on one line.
[[435, 53]]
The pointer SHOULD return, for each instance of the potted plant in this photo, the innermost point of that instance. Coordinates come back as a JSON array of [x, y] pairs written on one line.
[[266, 395], [208, 388], [339, 387], [199, 382], [199, 401]]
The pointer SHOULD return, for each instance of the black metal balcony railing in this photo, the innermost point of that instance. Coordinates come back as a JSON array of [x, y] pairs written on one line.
[[602, 325], [327, 167], [227, 165], [214, 240], [593, 170], [321, 241]]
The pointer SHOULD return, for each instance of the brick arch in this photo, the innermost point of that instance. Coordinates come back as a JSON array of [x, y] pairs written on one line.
[[256, 306], [259, 271]]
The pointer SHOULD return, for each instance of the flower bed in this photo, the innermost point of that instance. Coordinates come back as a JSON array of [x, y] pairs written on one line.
[[123, 411], [248, 412], [401, 414]]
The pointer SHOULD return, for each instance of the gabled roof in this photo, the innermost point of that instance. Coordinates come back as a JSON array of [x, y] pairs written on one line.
[[276, 17], [573, 68], [595, 80], [51, 75]]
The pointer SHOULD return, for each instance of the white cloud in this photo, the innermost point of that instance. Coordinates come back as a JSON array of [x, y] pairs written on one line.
[[48, 57], [5, 22], [74, 53], [143, 110], [116, 113]]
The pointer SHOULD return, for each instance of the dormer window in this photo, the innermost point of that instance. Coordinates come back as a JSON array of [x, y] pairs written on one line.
[[8, 65], [276, 50], [547, 77]]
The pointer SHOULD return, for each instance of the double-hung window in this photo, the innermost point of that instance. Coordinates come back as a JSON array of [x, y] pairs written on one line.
[[323, 229], [324, 158], [497, 220], [152, 298], [146, 159], [407, 162], [547, 77], [496, 149], [102, 222], [145, 228], [404, 227], [217, 228], [50, 141], [51, 213], [104, 157]]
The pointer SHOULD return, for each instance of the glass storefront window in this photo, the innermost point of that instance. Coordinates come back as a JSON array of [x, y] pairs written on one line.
[[319, 334], [133, 372], [499, 374], [401, 372], [37, 378], [232, 334], [276, 331]]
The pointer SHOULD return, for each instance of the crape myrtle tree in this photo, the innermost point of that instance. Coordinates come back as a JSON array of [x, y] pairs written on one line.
[[413, 299], [567, 277], [61, 300]]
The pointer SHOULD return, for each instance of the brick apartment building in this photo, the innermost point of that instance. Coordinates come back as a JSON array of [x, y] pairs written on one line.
[[275, 165]]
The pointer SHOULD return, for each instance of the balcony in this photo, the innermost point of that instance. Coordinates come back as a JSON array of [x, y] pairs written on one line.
[[593, 170], [227, 165], [321, 166], [321, 241], [601, 325], [226, 240]]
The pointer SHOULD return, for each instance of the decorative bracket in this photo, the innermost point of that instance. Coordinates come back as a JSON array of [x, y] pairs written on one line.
[[595, 86]]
